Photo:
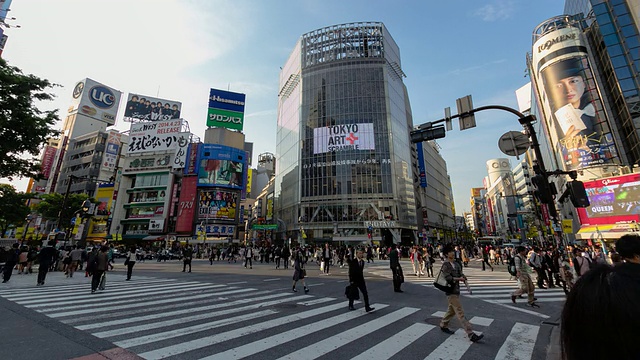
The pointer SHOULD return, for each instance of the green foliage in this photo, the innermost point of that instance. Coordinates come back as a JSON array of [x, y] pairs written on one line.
[[50, 205], [23, 127], [13, 208]]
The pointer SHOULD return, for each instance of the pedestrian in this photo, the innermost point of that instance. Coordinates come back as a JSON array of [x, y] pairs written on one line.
[[605, 299], [110, 256], [277, 253], [413, 258], [465, 257], [130, 261], [46, 257], [429, 261], [91, 257], [326, 258], [628, 246], [581, 263], [356, 278], [369, 254], [187, 255], [248, 257], [396, 269], [76, 257], [452, 272], [535, 260], [23, 260], [523, 274], [286, 253], [100, 265], [485, 258], [299, 271], [11, 262]]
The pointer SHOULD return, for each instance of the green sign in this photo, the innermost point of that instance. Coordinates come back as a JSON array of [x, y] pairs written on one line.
[[264, 227], [225, 118]]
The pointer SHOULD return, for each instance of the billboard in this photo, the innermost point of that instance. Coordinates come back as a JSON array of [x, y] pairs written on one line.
[[47, 160], [249, 180], [187, 205], [573, 111], [421, 166], [221, 166], [217, 205], [191, 167], [147, 108], [111, 152], [95, 100], [220, 230], [226, 109], [155, 136], [269, 214], [343, 137], [180, 158], [613, 199]]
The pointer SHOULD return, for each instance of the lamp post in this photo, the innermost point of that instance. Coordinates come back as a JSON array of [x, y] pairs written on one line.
[[28, 219]]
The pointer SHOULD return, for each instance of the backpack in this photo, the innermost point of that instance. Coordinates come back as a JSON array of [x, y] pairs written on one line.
[[511, 268]]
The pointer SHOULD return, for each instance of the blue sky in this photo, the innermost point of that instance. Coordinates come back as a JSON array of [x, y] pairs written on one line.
[[179, 49]]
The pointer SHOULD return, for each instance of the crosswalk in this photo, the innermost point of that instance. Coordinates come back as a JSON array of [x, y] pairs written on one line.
[[165, 318]]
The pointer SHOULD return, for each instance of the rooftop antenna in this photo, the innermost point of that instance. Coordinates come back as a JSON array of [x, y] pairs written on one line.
[[158, 92]]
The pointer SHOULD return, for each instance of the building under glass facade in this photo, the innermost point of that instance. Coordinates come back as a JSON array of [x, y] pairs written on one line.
[[344, 158]]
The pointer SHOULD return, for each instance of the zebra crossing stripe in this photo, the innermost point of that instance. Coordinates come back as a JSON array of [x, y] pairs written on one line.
[[188, 310], [453, 348], [236, 333], [316, 301], [114, 305], [396, 343], [57, 287], [290, 335], [93, 298], [183, 320], [520, 343], [540, 299], [508, 293], [329, 344], [72, 292]]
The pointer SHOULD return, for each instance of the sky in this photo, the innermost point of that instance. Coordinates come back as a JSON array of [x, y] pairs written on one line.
[[180, 49]]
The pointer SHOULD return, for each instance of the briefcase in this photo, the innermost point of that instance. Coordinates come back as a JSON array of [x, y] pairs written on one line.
[[351, 292]]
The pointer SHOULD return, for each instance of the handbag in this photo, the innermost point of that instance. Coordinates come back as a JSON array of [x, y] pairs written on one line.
[[400, 275], [303, 272], [322, 266], [351, 292], [441, 283]]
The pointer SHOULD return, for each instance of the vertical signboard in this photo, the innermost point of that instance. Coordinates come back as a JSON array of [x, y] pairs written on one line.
[[421, 166], [191, 167], [111, 152], [573, 110], [269, 213], [95, 100], [226, 109], [47, 160], [187, 204], [180, 158]]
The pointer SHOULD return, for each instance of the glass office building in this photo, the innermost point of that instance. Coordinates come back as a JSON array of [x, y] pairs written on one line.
[[343, 152]]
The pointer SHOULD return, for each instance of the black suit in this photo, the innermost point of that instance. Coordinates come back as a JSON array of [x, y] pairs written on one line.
[[394, 263], [356, 277], [47, 257]]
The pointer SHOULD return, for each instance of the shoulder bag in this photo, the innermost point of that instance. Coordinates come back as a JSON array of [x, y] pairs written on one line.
[[441, 282]]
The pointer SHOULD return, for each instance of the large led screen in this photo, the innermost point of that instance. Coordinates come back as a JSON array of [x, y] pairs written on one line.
[[221, 166], [217, 205], [612, 200], [343, 137]]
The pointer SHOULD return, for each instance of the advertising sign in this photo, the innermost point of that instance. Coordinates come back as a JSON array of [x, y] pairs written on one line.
[[192, 159], [217, 205], [111, 151], [187, 205], [220, 230], [147, 108], [180, 158], [573, 110], [269, 215], [249, 180], [613, 199], [226, 109], [104, 195], [154, 136], [343, 137], [145, 163], [421, 166], [47, 160], [221, 166], [156, 225], [95, 100]]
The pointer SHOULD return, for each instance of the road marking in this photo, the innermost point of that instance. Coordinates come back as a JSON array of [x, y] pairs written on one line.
[[316, 301], [188, 310], [395, 343], [318, 284], [508, 294], [520, 343], [129, 343], [453, 348], [184, 300], [438, 314], [236, 283], [272, 279], [519, 309], [57, 288], [331, 343], [481, 321], [236, 333], [541, 299], [183, 320], [290, 335]]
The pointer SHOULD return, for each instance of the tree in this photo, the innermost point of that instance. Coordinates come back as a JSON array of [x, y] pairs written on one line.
[[23, 127], [13, 208], [50, 205]]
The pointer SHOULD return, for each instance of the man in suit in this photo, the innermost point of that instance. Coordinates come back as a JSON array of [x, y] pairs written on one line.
[[394, 263], [356, 278]]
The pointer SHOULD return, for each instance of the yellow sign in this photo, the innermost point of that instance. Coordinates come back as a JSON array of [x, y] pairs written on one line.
[[567, 226], [249, 180]]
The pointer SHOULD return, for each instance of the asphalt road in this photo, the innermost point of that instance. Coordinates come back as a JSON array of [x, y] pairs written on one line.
[[224, 311]]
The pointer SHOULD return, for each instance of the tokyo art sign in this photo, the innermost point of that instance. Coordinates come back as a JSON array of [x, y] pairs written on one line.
[[343, 138], [155, 136]]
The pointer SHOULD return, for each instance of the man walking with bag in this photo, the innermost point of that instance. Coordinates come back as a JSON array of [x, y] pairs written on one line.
[[394, 263], [356, 279], [451, 273], [523, 274]]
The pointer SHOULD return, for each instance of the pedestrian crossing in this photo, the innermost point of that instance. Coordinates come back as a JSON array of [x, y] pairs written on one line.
[[164, 318]]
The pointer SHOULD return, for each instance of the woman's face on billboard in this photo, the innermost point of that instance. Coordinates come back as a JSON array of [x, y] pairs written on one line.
[[573, 88]]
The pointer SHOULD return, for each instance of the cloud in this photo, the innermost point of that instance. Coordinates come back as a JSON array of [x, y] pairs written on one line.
[[474, 68], [498, 10]]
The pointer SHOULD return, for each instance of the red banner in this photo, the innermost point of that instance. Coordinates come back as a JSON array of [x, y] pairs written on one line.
[[47, 160], [545, 213], [187, 205]]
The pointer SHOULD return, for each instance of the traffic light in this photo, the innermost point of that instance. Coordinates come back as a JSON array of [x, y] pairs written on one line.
[[420, 135], [543, 192], [577, 194]]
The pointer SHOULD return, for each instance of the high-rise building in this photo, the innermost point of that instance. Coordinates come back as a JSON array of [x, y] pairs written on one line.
[[344, 157]]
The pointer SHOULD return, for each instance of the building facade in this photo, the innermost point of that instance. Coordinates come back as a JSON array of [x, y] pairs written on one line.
[[343, 151]]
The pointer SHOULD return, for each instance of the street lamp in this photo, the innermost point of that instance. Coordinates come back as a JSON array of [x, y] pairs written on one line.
[[28, 219]]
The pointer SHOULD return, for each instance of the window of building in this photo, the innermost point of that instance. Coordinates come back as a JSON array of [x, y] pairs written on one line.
[[624, 20]]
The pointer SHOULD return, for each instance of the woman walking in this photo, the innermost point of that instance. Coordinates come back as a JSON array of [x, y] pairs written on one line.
[[299, 272], [130, 261]]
